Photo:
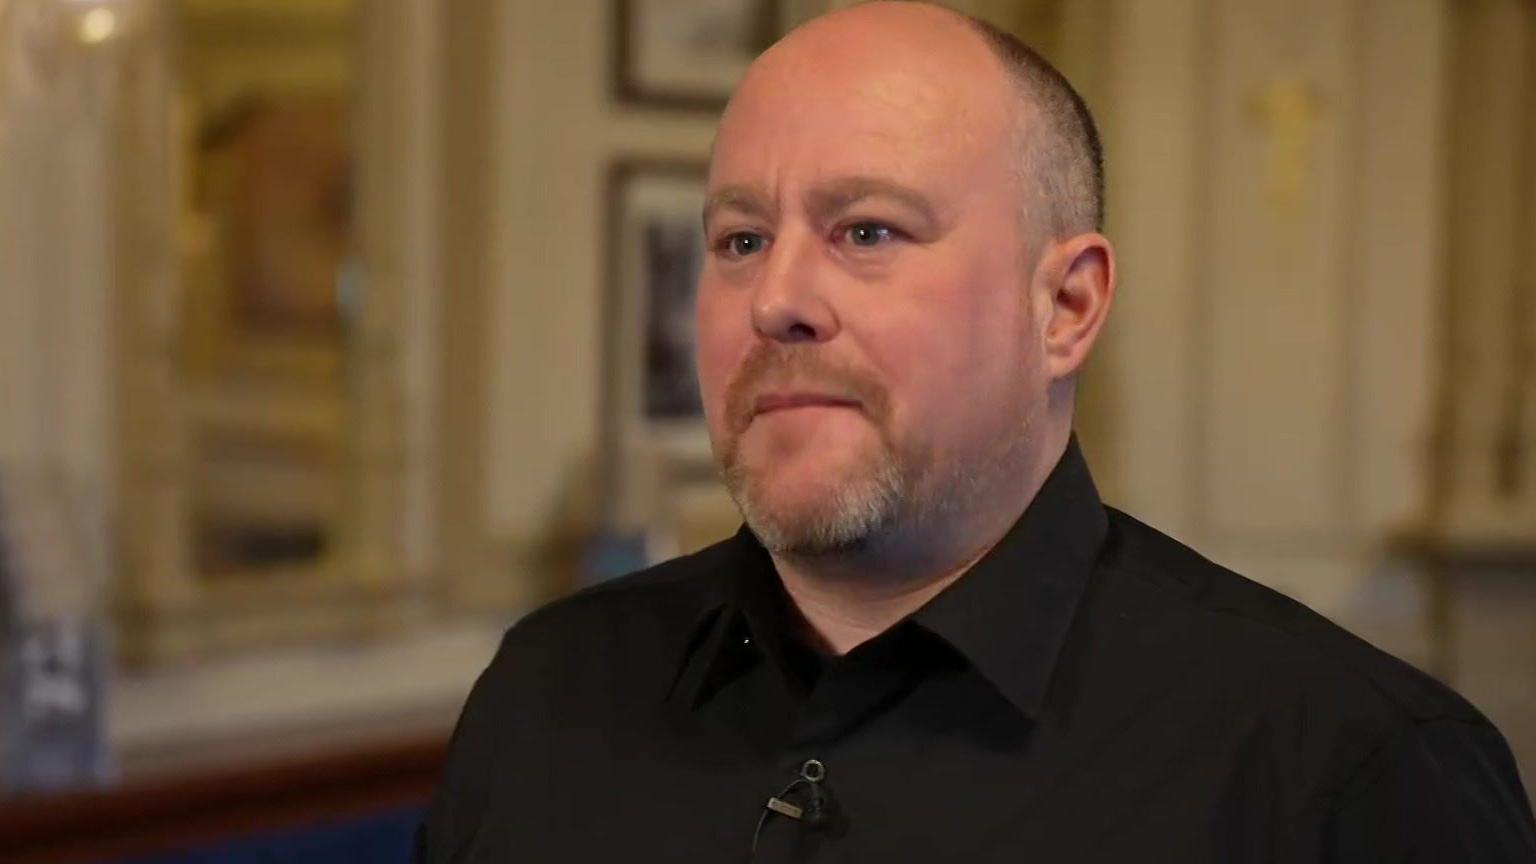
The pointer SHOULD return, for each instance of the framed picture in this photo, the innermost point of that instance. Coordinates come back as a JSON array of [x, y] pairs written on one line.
[[279, 186], [689, 53], [654, 431]]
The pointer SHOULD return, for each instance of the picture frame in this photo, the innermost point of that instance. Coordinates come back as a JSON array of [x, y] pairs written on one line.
[[260, 417], [689, 54], [654, 434]]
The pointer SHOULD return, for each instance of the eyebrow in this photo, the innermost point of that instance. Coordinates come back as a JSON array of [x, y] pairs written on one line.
[[744, 199], [838, 195], [823, 200]]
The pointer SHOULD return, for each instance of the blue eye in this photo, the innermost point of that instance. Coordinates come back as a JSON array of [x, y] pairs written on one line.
[[868, 234], [743, 243]]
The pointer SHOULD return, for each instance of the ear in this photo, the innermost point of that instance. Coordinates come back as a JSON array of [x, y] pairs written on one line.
[[1077, 278]]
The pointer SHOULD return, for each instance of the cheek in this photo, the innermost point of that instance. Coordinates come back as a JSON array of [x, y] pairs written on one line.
[[960, 360], [724, 334], [936, 386]]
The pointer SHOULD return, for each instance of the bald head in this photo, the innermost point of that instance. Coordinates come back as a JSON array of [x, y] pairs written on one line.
[[968, 62]]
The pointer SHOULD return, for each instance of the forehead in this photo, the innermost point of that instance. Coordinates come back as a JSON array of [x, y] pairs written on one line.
[[840, 103]]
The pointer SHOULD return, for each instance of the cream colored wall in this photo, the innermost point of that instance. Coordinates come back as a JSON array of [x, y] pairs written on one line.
[[1489, 490], [1276, 187], [556, 130]]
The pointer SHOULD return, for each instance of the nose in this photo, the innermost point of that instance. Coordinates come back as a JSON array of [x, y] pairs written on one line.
[[790, 304]]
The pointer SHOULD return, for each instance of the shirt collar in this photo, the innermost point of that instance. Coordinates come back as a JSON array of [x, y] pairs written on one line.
[[742, 621], [1008, 616]]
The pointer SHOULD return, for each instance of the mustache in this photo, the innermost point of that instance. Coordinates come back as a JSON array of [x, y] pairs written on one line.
[[775, 365]]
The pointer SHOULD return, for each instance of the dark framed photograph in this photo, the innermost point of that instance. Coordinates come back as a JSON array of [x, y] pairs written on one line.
[[689, 53], [654, 422]]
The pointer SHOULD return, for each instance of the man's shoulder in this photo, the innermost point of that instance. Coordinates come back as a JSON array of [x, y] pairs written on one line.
[[1264, 635]]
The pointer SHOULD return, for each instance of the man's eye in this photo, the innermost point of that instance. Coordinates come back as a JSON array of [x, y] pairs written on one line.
[[743, 243], [868, 234]]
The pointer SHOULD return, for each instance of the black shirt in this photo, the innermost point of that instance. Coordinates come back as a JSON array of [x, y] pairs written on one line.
[[1090, 691]]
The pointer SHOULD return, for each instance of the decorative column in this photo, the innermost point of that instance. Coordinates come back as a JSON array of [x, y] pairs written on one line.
[[66, 73]]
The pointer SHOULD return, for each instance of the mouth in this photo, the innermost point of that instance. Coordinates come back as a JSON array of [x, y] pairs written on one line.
[[788, 401]]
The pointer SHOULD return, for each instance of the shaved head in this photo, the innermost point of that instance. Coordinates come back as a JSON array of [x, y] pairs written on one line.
[[1062, 157]]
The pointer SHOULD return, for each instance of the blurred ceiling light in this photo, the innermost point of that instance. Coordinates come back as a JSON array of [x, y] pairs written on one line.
[[98, 25]]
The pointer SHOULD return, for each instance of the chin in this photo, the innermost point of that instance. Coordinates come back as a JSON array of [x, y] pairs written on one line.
[[820, 511]]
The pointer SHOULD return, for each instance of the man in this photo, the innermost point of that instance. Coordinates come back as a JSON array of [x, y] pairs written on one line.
[[932, 641]]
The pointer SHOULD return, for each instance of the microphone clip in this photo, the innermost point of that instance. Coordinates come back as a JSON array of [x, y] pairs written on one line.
[[815, 811], [812, 773]]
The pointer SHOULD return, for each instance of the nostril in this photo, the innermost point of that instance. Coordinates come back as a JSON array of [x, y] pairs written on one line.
[[801, 332]]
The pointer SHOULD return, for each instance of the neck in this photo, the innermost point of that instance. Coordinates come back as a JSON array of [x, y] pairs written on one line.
[[846, 603], [849, 599]]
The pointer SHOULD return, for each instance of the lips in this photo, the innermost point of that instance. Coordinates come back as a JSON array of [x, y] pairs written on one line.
[[770, 402]]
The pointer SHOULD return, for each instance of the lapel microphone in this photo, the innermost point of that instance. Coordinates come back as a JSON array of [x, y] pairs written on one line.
[[815, 811]]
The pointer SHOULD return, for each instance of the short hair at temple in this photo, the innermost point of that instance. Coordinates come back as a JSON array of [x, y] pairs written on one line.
[[1062, 158]]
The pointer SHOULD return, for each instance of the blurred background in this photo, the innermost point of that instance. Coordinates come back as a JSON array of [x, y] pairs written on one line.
[[336, 334]]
